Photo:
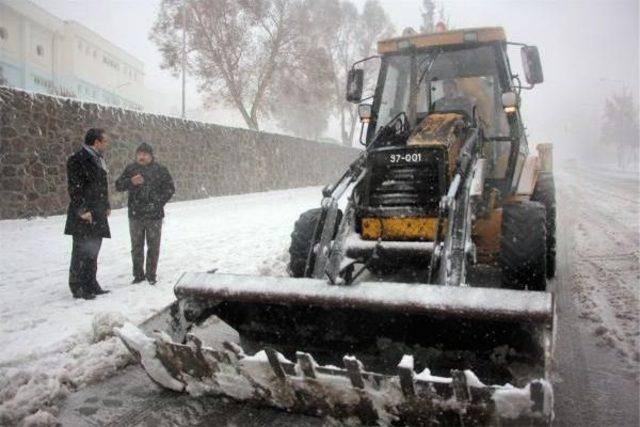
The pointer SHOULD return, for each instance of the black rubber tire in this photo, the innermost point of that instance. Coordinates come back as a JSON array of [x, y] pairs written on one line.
[[523, 246], [302, 239], [545, 193]]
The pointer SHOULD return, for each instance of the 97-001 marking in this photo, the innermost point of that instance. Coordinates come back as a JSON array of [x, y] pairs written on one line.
[[408, 158]]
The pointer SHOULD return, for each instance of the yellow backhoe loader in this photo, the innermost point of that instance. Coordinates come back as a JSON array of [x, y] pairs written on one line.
[[418, 291]]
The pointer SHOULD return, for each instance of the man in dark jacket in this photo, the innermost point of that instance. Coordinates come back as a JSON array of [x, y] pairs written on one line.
[[87, 214], [150, 187]]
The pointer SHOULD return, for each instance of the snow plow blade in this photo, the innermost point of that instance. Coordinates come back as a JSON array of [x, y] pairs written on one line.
[[465, 302], [299, 330]]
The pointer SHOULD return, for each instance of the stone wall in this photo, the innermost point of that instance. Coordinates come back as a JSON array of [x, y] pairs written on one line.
[[39, 132]]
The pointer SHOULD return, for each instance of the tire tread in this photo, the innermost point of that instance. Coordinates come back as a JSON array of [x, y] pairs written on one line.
[[523, 246]]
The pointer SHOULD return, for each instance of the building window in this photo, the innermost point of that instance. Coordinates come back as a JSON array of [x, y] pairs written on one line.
[[40, 50], [43, 82], [3, 33], [110, 62]]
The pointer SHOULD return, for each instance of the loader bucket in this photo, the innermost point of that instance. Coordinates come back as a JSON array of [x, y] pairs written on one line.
[[410, 354]]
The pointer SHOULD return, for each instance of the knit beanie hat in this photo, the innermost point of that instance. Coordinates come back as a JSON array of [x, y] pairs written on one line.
[[145, 148]]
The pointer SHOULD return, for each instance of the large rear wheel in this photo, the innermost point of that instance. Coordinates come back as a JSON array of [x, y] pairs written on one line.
[[523, 246], [545, 193]]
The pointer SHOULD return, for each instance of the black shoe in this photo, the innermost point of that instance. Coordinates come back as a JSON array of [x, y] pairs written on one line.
[[152, 281], [137, 280], [100, 292], [83, 294], [76, 291]]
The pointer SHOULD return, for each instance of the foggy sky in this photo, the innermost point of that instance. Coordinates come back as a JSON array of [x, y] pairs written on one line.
[[589, 48], [581, 42]]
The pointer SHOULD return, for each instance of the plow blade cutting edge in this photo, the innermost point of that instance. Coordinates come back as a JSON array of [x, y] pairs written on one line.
[[372, 387]]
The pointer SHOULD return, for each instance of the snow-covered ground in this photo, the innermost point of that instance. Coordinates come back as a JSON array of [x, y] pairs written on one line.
[[53, 344], [597, 289]]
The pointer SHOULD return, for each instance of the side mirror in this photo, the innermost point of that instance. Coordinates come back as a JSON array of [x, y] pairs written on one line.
[[531, 65], [355, 81], [509, 102], [364, 112]]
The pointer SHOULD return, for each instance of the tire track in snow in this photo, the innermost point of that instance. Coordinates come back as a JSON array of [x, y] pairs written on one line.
[[607, 278], [597, 302]]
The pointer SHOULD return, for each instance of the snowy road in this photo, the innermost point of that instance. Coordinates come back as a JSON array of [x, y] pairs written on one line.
[[597, 289]]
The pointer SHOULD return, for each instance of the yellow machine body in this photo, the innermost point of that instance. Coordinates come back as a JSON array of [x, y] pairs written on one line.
[[396, 228]]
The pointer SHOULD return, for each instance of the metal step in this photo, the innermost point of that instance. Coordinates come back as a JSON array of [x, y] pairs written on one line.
[[357, 248]]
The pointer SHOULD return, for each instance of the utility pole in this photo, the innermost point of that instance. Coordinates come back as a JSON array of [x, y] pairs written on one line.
[[184, 56]]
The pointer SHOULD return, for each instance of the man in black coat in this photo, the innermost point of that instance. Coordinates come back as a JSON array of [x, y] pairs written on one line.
[[150, 187], [87, 214]]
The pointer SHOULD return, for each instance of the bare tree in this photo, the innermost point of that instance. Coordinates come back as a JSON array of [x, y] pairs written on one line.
[[432, 13], [336, 23], [428, 16], [444, 17], [301, 92], [235, 48], [621, 127], [347, 35]]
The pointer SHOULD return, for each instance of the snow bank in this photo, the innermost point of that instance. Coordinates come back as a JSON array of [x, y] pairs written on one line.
[[103, 325], [33, 392]]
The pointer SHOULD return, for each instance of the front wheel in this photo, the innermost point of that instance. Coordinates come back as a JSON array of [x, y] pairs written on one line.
[[545, 193], [302, 240], [523, 246]]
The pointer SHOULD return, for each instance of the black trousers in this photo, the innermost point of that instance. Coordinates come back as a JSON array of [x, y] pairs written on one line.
[[151, 231], [84, 265]]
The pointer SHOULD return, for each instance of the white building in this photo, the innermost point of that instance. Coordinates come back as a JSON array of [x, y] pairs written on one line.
[[41, 53]]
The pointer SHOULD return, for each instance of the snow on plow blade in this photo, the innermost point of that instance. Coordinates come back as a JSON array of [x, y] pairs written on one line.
[[465, 302], [404, 392]]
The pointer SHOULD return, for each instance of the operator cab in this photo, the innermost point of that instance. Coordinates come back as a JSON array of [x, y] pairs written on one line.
[[463, 71]]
